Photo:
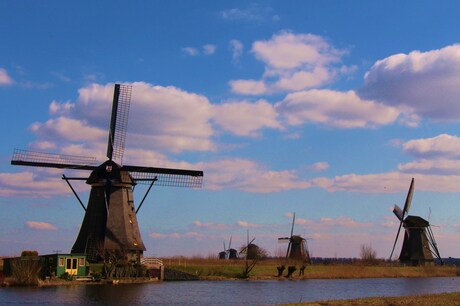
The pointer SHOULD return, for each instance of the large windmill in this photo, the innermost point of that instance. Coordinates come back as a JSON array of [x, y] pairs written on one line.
[[297, 246], [110, 222], [419, 244]]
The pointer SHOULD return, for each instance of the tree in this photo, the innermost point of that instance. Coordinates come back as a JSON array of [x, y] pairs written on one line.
[[368, 254], [253, 254]]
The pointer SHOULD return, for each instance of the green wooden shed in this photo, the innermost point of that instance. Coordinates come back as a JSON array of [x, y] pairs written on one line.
[[59, 264], [52, 265]]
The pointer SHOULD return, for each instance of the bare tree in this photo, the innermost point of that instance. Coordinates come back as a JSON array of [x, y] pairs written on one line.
[[253, 254], [368, 254]]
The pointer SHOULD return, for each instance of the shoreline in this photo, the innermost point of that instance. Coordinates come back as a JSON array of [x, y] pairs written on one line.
[[216, 270]]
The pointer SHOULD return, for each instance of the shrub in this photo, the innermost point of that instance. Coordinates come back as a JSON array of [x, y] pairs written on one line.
[[29, 253], [26, 271]]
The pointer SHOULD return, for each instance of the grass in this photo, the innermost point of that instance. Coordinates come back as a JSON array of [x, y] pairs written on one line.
[[266, 269], [444, 299]]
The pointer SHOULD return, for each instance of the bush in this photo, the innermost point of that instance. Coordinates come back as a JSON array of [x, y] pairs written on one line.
[[26, 271], [29, 253]]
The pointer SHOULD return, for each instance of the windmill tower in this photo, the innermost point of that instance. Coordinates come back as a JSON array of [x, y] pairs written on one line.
[[110, 222], [419, 244], [297, 249]]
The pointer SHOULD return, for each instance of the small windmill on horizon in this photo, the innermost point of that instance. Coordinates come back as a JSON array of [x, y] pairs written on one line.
[[110, 222], [297, 249]]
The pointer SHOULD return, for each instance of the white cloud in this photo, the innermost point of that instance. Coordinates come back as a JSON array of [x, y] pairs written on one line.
[[293, 62], [191, 51], [326, 224], [290, 51], [67, 129], [435, 166], [339, 109], [343, 221], [444, 145], [237, 48], [248, 87], [320, 166], [249, 176], [28, 184], [57, 108], [425, 83], [300, 80], [209, 225], [5, 78], [209, 49], [161, 119], [246, 224], [244, 118], [41, 226], [254, 12], [169, 119], [390, 182]]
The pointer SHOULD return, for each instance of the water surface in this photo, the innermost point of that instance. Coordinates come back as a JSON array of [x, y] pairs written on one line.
[[264, 292]]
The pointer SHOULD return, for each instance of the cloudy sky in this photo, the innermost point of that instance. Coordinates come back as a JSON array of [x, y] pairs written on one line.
[[325, 109]]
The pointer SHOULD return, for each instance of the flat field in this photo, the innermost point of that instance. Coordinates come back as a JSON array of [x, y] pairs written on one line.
[[267, 269]]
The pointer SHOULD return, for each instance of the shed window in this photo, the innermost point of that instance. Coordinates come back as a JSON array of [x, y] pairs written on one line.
[[81, 262], [61, 262]]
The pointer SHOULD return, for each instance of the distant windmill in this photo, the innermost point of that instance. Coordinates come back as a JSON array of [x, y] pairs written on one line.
[[228, 253], [297, 246], [110, 222], [250, 250], [419, 244]]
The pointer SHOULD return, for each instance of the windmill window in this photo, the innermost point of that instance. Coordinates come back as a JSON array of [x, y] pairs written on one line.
[[135, 243]]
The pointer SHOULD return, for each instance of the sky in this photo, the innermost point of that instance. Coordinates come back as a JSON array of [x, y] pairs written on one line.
[[325, 109]]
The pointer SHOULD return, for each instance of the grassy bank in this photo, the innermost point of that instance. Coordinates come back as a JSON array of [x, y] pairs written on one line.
[[444, 299], [266, 269]]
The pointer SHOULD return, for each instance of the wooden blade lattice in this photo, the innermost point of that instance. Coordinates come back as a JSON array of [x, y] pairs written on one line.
[[166, 176], [119, 121], [48, 160]]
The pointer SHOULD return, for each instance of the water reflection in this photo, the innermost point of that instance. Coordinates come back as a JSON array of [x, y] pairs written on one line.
[[226, 292]]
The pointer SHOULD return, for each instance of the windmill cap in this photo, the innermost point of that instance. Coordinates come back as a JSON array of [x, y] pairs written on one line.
[[110, 170], [416, 221]]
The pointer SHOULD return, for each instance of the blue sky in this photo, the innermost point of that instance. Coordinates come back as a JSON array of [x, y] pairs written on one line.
[[322, 108]]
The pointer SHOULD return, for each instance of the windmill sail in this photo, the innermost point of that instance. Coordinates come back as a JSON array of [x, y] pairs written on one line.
[[118, 121], [409, 197], [401, 214], [398, 212], [49, 160]]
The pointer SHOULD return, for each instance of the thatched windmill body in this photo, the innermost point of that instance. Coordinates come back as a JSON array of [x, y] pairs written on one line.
[[297, 249], [419, 246], [110, 222]]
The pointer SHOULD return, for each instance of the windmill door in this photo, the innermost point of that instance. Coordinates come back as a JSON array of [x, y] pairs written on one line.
[[71, 266]]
